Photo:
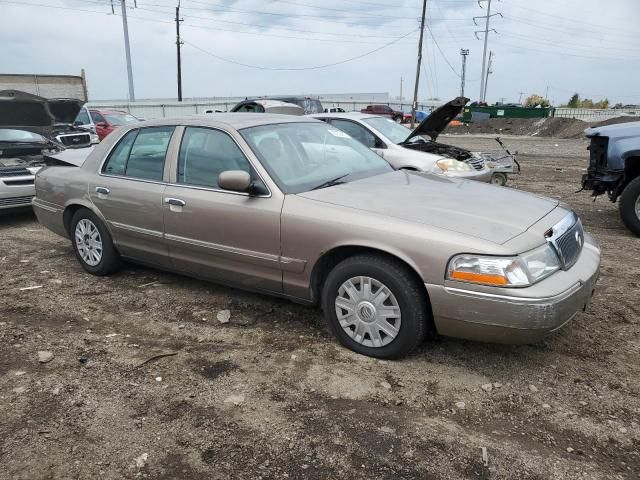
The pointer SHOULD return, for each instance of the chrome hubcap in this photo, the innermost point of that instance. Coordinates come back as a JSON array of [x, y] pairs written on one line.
[[88, 242], [638, 207], [368, 311]]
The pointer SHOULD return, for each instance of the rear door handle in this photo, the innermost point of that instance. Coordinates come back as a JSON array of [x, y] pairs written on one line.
[[102, 190], [176, 202]]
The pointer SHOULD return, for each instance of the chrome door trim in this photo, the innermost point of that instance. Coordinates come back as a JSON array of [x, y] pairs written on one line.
[[216, 247], [131, 228]]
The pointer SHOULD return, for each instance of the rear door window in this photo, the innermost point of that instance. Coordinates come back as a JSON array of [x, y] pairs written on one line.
[[140, 154], [97, 117], [355, 131]]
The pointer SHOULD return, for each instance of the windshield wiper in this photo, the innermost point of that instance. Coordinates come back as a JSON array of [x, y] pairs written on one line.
[[330, 183]]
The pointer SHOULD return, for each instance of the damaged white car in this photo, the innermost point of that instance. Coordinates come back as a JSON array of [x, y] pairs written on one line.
[[35, 132]]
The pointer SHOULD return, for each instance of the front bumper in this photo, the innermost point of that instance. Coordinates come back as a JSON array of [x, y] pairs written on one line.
[[483, 175], [517, 315], [16, 196]]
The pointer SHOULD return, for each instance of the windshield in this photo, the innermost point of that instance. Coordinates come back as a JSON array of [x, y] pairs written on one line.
[[390, 129], [303, 156], [118, 119], [10, 135]]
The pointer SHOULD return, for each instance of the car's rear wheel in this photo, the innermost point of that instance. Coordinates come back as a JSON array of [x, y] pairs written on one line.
[[398, 119], [630, 206], [375, 306], [92, 243]]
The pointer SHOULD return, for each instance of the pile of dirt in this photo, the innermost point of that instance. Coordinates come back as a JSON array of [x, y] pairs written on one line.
[[554, 127], [617, 120], [542, 127]]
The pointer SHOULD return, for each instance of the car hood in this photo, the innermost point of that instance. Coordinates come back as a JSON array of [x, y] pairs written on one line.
[[25, 111], [619, 130], [488, 212], [438, 120]]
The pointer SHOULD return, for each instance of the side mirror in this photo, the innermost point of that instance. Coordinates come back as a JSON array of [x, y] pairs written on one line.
[[235, 180], [77, 123]]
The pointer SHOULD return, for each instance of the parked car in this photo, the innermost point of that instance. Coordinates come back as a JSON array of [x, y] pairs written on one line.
[[420, 115], [268, 106], [334, 110], [614, 168], [308, 105], [294, 207], [402, 148], [34, 132], [103, 121], [384, 111]]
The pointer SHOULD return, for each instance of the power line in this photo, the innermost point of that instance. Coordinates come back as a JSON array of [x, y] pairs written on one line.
[[223, 8], [442, 53], [316, 67]]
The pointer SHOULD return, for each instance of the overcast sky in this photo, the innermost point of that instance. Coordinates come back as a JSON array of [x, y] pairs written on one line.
[[585, 46]]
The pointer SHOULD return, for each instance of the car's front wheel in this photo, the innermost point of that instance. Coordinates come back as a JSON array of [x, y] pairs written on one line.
[[630, 206], [375, 306], [92, 243], [499, 178]]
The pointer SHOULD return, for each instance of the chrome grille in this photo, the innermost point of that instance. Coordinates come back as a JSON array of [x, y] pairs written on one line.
[[15, 201], [13, 172], [567, 238], [476, 162], [75, 140]]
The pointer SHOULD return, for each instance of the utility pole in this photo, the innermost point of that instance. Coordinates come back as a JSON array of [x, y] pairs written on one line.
[[400, 90], [486, 81], [546, 95], [414, 104], [520, 98], [487, 17], [178, 45], [463, 52], [127, 50]]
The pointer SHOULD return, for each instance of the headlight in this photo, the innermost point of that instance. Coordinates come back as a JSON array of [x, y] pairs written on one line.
[[519, 271], [451, 165], [94, 138]]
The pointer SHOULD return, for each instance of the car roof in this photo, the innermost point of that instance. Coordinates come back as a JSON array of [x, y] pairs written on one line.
[[107, 110], [235, 120], [348, 115]]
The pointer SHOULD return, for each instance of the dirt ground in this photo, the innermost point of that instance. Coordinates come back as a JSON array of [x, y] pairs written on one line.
[[271, 395]]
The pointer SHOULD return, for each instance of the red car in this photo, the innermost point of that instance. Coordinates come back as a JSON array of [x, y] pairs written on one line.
[[384, 110], [103, 121]]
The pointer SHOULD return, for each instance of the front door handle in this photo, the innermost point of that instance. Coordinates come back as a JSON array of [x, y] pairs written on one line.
[[176, 202], [102, 190]]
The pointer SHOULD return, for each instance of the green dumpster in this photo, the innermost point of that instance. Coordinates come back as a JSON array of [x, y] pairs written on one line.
[[506, 112]]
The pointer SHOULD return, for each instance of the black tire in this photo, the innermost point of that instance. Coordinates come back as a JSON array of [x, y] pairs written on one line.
[[110, 258], [499, 178], [405, 287], [628, 200]]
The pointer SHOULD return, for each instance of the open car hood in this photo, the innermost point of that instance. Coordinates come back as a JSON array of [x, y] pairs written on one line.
[[438, 120], [25, 111]]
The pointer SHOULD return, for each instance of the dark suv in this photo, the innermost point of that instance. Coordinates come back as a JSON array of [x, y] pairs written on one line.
[[614, 168], [384, 110]]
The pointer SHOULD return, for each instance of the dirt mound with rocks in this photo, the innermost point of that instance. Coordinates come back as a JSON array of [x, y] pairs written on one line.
[[554, 127], [542, 127]]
